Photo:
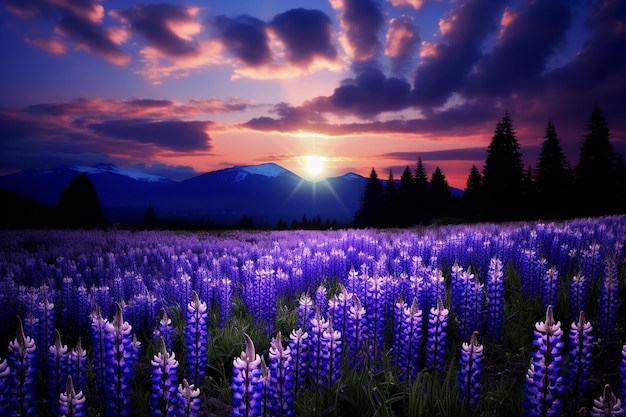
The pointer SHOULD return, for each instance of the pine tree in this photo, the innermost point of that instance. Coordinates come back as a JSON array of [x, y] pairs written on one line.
[[371, 212], [472, 195], [422, 205], [503, 172], [554, 177], [406, 198], [440, 198], [79, 205], [595, 172], [391, 200]]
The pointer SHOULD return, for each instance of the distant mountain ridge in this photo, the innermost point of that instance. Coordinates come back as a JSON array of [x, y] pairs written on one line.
[[264, 193]]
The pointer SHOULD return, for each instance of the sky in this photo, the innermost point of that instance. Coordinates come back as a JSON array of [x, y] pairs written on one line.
[[321, 88]]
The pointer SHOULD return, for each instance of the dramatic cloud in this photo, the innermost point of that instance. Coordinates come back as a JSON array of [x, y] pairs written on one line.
[[361, 20], [306, 34], [174, 135], [401, 44], [527, 40], [245, 37], [463, 31]]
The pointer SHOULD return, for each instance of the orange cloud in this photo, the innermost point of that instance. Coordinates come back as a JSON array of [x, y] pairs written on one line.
[[416, 4], [52, 46]]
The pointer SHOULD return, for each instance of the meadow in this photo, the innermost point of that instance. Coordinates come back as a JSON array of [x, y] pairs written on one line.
[[520, 319]]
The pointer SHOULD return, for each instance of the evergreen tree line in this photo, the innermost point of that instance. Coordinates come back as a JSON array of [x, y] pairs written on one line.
[[505, 190]]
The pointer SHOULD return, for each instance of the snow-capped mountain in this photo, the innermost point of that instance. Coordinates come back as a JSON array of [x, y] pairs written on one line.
[[264, 193]]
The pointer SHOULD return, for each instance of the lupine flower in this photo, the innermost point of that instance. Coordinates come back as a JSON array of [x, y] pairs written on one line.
[[164, 387], [495, 299], [436, 342], [356, 334], [332, 340], [21, 360], [7, 386], [544, 383], [580, 345], [77, 366], [225, 299], [622, 373], [550, 287], [608, 302], [299, 347], [608, 405], [46, 331], [57, 370], [319, 355], [196, 338], [470, 370], [578, 295], [187, 398], [98, 337], [321, 299], [119, 360], [165, 330], [71, 403], [246, 384], [407, 336], [281, 385], [306, 312], [469, 298], [375, 307]]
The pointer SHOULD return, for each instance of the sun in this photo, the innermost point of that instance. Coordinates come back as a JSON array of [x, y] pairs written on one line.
[[314, 165]]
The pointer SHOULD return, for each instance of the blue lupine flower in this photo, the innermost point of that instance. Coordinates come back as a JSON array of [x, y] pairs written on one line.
[[72, 403], [495, 299], [77, 366], [121, 355], [436, 342], [225, 298], [550, 287], [98, 347], [407, 337], [306, 311], [281, 384], [165, 330], [469, 296], [21, 359], [544, 383], [375, 306], [299, 347], [321, 299], [7, 386], [187, 398], [608, 405], [164, 387], [356, 334], [319, 355], [247, 386], [332, 341], [196, 338], [57, 370], [46, 332], [470, 370], [339, 308], [579, 368], [578, 295]]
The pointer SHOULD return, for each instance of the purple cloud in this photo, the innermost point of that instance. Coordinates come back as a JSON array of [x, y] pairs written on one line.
[[245, 37], [361, 20], [306, 34], [401, 44], [175, 135]]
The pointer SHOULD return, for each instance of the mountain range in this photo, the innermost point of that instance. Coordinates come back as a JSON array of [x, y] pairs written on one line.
[[263, 193]]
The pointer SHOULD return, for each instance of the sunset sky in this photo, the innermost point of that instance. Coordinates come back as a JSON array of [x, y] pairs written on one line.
[[184, 87]]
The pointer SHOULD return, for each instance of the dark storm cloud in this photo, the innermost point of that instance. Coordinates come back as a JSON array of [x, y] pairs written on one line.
[[370, 93], [521, 54], [305, 34], [244, 37], [444, 72], [362, 21], [152, 21], [178, 136]]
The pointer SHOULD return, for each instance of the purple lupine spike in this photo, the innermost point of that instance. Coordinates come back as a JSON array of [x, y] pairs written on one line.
[[196, 338], [165, 331], [436, 341], [57, 370], [225, 297], [470, 370], [46, 331], [318, 367], [375, 315], [356, 334], [247, 386], [299, 347], [607, 405], [265, 381], [119, 360], [622, 373], [98, 338], [544, 383], [578, 295], [164, 382], [608, 303], [306, 311], [436, 287], [550, 287], [332, 340], [77, 366], [407, 337], [469, 297], [188, 399], [495, 299], [321, 299], [281, 385], [7, 386], [22, 360], [580, 356], [72, 403]]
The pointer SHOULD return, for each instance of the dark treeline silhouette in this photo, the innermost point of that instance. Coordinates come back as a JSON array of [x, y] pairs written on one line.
[[505, 190]]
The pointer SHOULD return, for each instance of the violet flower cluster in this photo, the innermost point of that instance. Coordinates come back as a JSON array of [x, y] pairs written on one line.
[[196, 339], [470, 370]]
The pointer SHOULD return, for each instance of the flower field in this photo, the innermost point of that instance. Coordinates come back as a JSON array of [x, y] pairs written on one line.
[[524, 319]]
